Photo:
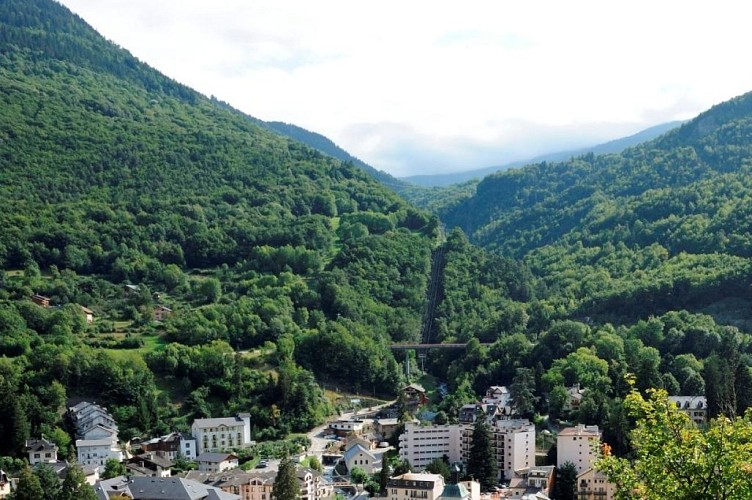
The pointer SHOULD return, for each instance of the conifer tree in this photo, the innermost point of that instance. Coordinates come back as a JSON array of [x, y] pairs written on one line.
[[286, 483], [28, 487], [481, 464], [75, 486]]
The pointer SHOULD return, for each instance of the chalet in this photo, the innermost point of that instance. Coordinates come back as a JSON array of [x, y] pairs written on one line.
[[161, 313], [415, 395], [130, 290], [149, 464], [41, 451], [88, 313], [216, 462], [40, 300], [172, 445]]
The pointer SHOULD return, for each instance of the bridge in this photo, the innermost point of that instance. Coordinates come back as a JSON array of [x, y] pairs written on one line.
[[402, 347]]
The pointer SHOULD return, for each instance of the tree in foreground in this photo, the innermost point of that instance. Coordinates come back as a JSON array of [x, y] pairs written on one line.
[[286, 483], [566, 481], [75, 486], [28, 487], [673, 458], [481, 464], [113, 468]]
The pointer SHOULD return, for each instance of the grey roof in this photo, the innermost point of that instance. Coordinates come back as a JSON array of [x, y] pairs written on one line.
[[452, 490], [153, 488], [216, 422], [215, 458], [39, 445], [358, 448]]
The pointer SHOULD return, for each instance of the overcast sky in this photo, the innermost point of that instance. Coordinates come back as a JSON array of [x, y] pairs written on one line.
[[416, 86]]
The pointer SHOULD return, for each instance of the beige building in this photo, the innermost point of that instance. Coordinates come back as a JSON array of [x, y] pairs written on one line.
[[514, 445], [579, 445], [412, 486], [218, 434], [593, 485]]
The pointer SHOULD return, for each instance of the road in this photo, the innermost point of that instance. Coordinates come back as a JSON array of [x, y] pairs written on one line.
[[316, 435]]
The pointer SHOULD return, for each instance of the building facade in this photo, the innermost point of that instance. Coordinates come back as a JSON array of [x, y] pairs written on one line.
[[412, 486], [218, 434], [421, 445], [579, 445], [695, 407]]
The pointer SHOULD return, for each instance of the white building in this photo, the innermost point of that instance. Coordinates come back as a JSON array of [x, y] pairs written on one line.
[[360, 456], [415, 486], [421, 445], [218, 434], [579, 445], [97, 451], [41, 451], [514, 445]]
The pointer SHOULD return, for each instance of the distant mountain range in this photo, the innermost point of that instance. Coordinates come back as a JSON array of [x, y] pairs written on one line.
[[615, 146]]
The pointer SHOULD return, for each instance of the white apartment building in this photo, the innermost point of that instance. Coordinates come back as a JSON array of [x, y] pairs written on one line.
[[97, 451], [218, 434], [421, 445], [514, 445], [415, 487], [579, 445]]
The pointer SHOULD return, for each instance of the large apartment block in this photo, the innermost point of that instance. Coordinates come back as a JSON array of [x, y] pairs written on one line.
[[514, 444], [421, 445]]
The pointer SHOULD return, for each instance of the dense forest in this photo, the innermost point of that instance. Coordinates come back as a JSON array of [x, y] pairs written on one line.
[[114, 175], [286, 271]]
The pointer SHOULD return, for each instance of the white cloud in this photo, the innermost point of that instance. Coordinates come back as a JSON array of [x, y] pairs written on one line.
[[439, 82]]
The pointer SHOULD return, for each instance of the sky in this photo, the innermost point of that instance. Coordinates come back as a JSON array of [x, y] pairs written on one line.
[[418, 87]]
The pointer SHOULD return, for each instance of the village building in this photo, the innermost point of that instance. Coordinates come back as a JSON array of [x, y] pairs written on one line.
[[219, 434], [593, 485], [149, 464], [152, 488], [216, 462], [172, 446], [579, 445], [413, 486], [695, 407], [40, 300], [41, 451]]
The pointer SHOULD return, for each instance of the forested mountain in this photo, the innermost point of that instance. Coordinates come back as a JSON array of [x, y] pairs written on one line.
[[662, 226], [326, 146], [280, 269], [113, 174]]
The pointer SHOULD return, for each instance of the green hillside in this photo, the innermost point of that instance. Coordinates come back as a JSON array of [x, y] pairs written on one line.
[[662, 226], [113, 174]]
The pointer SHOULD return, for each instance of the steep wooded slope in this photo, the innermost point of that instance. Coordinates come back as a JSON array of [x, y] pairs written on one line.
[[111, 169], [660, 226]]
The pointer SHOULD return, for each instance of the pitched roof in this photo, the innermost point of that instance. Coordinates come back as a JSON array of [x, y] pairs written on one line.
[[153, 488], [39, 445], [215, 458], [216, 422], [355, 450]]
